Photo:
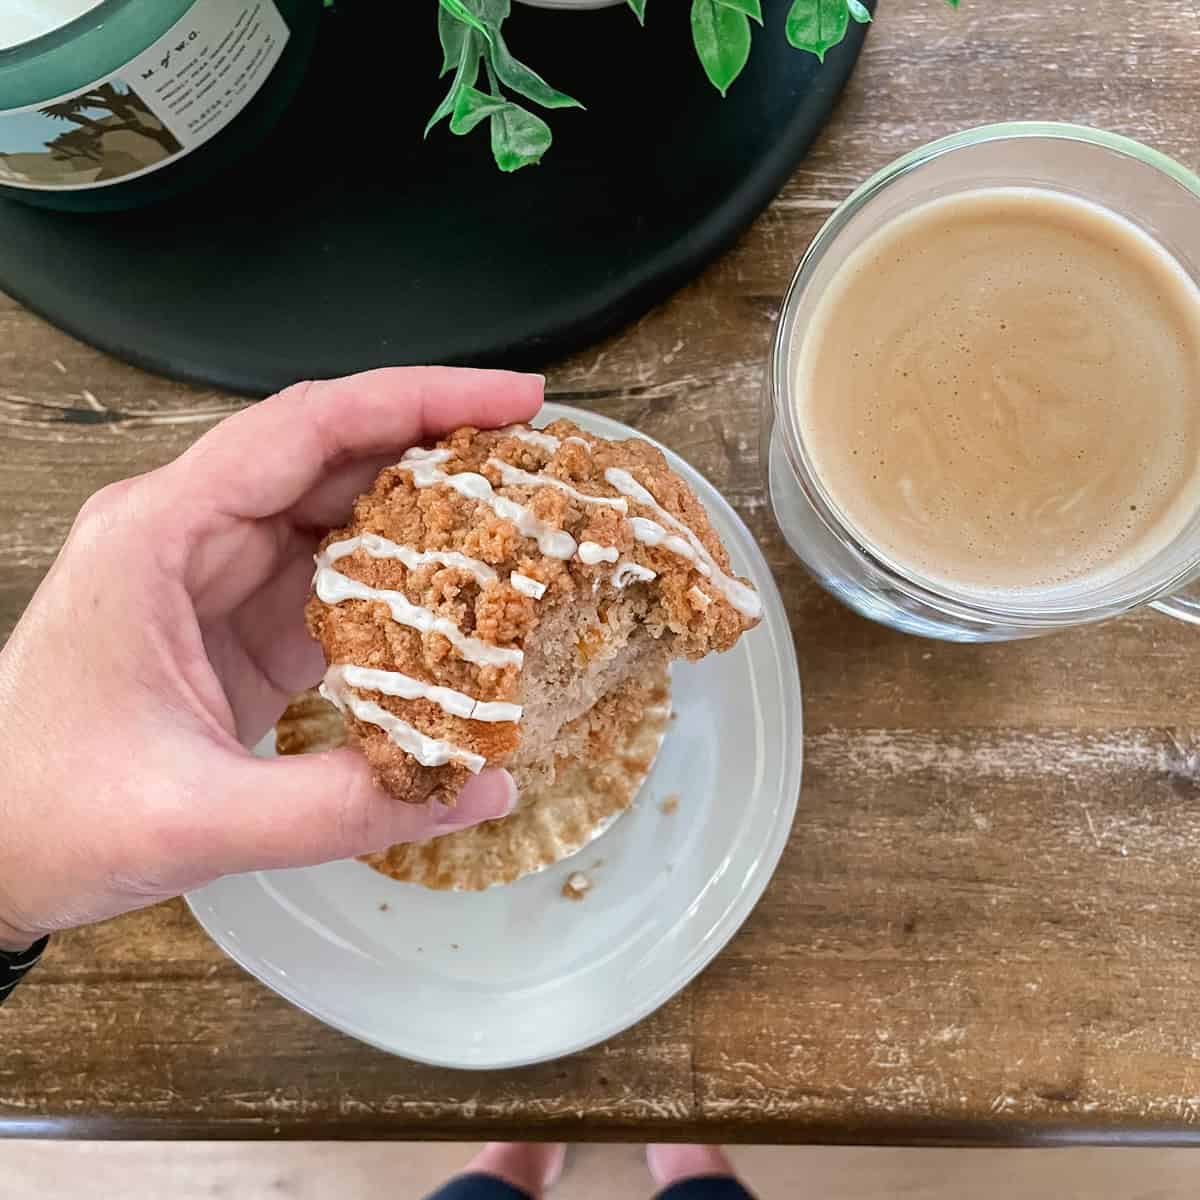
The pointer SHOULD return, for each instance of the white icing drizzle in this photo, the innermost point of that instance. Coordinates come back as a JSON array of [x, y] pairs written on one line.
[[700, 598], [546, 441], [743, 598], [651, 533], [628, 571], [526, 586], [425, 466], [592, 553], [515, 477], [333, 587], [429, 752], [415, 454], [381, 547], [457, 704]]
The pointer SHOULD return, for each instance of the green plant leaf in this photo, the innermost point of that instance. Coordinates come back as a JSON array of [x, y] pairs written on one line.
[[464, 77], [451, 32], [456, 8], [752, 8], [519, 138], [861, 13], [491, 12], [722, 38], [817, 25], [472, 106], [443, 110], [522, 80], [639, 9]]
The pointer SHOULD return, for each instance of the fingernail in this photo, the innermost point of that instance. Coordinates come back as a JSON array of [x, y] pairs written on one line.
[[486, 797]]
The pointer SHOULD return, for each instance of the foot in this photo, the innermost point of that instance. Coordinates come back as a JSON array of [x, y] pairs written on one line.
[[670, 1164], [533, 1167]]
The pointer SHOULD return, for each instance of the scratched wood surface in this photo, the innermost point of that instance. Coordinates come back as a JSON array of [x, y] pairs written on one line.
[[984, 927]]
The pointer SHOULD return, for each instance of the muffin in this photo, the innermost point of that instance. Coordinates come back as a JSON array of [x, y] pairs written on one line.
[[495, 596], [623, 733]]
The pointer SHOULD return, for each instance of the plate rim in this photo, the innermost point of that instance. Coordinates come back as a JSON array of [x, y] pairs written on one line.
[[731, 920]]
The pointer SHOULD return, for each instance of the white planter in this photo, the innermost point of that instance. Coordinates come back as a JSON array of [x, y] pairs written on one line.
[[572, 3]]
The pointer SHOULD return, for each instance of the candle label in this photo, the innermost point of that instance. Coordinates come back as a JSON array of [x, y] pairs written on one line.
[[174, 96]]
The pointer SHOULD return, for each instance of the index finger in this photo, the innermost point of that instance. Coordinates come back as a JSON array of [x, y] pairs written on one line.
[[264, 459]]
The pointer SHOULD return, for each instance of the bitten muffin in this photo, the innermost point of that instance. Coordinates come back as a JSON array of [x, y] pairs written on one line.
[[491, 590], [620, 734]]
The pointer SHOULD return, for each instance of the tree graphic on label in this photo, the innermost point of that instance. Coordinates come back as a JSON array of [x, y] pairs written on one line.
[[103, 114]]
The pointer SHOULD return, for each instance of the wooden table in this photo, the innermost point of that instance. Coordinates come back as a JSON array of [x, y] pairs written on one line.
[[985, 926]]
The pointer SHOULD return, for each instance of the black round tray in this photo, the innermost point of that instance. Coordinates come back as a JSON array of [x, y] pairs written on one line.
[[348, 242]]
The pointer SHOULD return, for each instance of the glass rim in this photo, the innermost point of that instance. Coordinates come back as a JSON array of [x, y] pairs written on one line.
[[1043, 615], [52, 39]]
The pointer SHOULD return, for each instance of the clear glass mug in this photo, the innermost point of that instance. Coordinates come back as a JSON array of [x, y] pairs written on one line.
[[1124, 176]]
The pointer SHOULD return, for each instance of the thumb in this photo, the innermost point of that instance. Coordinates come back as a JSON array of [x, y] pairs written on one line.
[[314, 808]]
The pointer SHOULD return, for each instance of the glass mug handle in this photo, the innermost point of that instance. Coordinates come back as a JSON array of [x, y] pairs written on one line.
[[1183, 605]]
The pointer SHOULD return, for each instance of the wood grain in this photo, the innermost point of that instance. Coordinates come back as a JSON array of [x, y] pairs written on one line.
[[983, 928]]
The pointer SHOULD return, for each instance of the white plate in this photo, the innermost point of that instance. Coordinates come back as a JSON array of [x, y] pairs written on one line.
[[520, 974]]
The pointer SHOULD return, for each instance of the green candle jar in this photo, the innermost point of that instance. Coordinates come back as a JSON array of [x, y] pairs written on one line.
[[110, 104]]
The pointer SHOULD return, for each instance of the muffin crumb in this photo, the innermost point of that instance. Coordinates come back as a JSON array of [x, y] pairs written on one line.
[[576, 886]]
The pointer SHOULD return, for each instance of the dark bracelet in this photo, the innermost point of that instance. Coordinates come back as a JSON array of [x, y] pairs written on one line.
[[14, 964]]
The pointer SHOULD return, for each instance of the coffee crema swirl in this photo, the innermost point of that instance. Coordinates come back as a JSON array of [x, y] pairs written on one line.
[[1000, 391]]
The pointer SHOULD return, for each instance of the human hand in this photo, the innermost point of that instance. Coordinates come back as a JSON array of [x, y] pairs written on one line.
[[169, 635]]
